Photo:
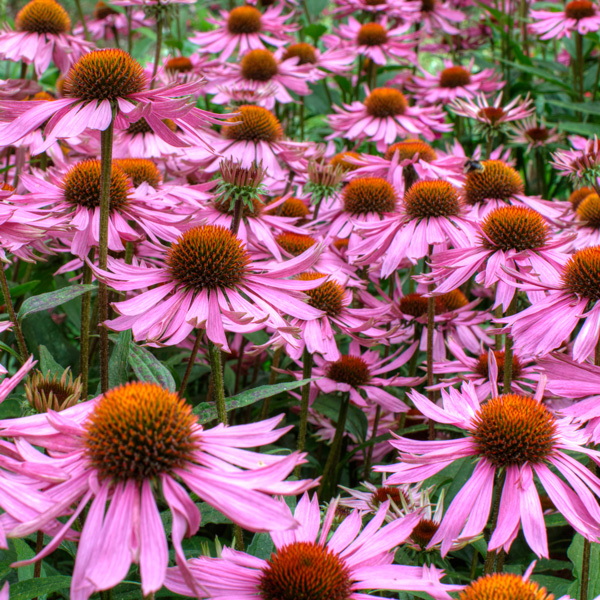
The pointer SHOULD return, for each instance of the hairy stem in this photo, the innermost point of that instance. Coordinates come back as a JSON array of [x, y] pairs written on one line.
[[216, 369], [307, 361], [86, 303], [13, 317], [190, 365]]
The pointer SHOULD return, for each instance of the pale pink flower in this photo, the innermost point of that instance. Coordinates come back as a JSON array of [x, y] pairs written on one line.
[[533, 134], [374, 40], [453, 81], [384, 116], [581, 16], [322, 62], [434, 16], [208, 280], [510, 432], [354, 562], [105, 21], [396, 8], [123, 524], [42, 36], [245, 28]]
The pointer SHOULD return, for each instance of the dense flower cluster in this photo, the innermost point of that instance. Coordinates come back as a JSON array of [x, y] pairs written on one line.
[[301, 300]]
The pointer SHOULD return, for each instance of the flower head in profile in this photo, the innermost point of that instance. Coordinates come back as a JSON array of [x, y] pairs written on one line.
[[433, 15], [207, 279], [245, 28], [493, 117], [375, 41], [533, 134], [513, 434], [132, 444], [384, 116], [101, 86], [306, 564], [452, 82], [42, 35], [581, 16], [581, 164]]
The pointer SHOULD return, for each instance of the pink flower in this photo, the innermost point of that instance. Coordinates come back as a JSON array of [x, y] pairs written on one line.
[[453, 82], [333, 60], [94, 83], [533, 134], [510, 237], [259, 69], [41, 36], [106, 21], [571, 295], [360, 374], [170, 450], [208, 280], [396, 8], [351, 561], [255, 136], [432, 214], [514, 433], [384, 116], [434, 16], [581, 16], [245, 28], [374, 41]]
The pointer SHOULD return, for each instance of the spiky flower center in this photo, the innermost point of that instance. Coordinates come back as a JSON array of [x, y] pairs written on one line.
[[341, 244], [179, 64], [256, 124], [341, 160], [43, 16], [537, 134], [369, 195], [208, 257], [6, 187], [411, 149], [305, 570], [81, 185], [372, 34], [386, 102], [482, 366], [581, 275], [415, 305], [244, 19], [580, 9], [385, 493], [292, 207], [427, 199], [102, 10], [424, 530], [46, 393], [577, 196], [141, 170], [259, 65], [295, 243], [588, 211], [328, 297], [454, 77], [514, 228], [139, 431], [104, 75], [497, 181], [453, 301], [352, 370], [504, 586], [428, 6], [514, 430], [305, 52], [492, 114]]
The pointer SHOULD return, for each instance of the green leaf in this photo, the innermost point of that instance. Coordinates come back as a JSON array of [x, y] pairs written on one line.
[[586, 129], [314, 31], [148, 368], [208, 412], [541, 73], [25, 590], [261, 546], [48, 364], [52, 299], [24, 552], [575, 554], [10, 350], [20, 289], [590, 108], [10, 409], [356, 421], [117, 365]]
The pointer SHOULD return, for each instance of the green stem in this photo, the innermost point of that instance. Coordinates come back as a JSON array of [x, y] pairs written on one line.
[[329, 480], [190, 365], [159, 36], [301, 110], [580, 70], [373, 436], [106, 147], [307, 361], [86, 302], [129, 13], [237, 215], [86, 33], [272, 380], [490, 558], [216, 369], [13, 317], [39, 546]]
